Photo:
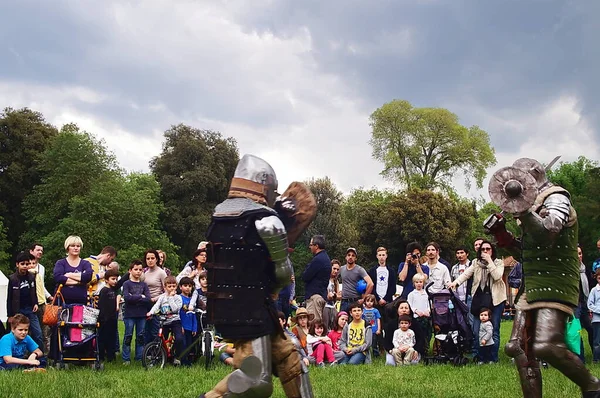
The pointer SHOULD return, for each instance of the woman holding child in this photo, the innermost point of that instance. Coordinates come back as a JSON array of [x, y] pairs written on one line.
[[487, 275], [394, 311]]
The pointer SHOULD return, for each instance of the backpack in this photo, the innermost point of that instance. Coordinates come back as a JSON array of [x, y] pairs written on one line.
[[515, 276]]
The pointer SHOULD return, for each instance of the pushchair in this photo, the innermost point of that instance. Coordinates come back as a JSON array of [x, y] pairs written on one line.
[[453, 337], [78, 336]]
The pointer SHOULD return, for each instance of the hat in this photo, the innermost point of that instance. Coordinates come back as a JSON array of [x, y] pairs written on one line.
[[351, 249], [302, 312]]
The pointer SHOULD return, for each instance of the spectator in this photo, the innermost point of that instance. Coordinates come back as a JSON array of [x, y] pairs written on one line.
[[297, 345], [464, 291], [486, 336], [22, 296], [43, 296], [594, 306], [394, 311], [73, 273], [137, 298], [99, 264], [439, 274], [384, 279], [195, 268], [316, 277], [189, 323], [476, 245], [18, 349], [372, 316], [419, 303], [300, 330], [284, 299], [162, 260], [581, 312], [351, 274], [108, 304], [356, 338], [404, 342], [319, 344], [487, 273], [334, 293], [411, 266], [168, 306], [154, 277], [335, 334]]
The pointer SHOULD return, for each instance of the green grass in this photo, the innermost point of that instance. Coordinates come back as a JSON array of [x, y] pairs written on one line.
[[364, 381]]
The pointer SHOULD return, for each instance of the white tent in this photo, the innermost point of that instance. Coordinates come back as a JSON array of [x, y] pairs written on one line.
[[3, 296]]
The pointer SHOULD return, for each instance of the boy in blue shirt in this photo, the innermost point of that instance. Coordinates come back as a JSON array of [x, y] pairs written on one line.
[[372, 318], [18, 350], [189, 323]]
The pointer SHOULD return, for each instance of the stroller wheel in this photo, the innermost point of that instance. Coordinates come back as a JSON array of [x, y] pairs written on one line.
[[98, 366], [464, 361]]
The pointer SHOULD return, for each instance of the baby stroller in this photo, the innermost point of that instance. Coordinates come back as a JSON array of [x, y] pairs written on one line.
[[453, 334], [78, 336]]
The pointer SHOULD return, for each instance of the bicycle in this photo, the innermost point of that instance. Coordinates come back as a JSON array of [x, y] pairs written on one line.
[[208, 339], [160, 351]]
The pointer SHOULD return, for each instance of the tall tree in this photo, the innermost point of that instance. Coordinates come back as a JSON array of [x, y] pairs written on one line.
[[24, 135], [5, 264], [194, 171], [424, 147]]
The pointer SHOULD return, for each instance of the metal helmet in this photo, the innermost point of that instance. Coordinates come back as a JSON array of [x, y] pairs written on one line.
[[533, 167], [255, 179]]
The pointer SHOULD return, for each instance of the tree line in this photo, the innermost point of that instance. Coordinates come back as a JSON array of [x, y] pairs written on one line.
[[56, 182]]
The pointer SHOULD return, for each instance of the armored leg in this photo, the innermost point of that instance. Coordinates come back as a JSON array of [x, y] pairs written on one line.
[[549, 345], [292, 372], [527, 366]]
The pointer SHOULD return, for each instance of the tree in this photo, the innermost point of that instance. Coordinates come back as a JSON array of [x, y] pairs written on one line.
[[24, 135], [424, 147], [5, 264], [194, 171], [69, 168]]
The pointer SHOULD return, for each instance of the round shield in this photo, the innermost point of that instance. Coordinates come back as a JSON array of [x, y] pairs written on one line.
[[513, 190]]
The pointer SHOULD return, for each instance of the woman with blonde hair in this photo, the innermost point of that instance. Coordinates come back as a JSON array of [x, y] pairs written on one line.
[[73, 272]]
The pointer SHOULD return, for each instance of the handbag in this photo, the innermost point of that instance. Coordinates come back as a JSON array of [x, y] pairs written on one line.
[[515, 276], [481, 299], [52, 310], [573, 335]]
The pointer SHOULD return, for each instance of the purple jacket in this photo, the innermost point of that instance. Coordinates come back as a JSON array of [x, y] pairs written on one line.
[[73, 294]]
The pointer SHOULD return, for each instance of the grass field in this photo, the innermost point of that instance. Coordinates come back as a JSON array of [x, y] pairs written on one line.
[[366, 381]]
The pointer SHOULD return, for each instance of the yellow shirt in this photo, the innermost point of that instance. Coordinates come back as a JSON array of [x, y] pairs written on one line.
[[356, 334]]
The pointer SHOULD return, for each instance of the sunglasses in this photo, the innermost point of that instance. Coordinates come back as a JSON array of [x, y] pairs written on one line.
[[486, 249]]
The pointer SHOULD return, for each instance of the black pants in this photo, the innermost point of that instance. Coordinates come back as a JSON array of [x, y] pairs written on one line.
[[107, 339]]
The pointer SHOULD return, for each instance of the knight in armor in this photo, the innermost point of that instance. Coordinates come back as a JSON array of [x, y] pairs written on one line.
[[550, 288], [247, 265]]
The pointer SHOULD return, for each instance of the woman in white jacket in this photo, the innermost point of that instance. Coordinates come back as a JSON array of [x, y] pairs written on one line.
[[487, 272]]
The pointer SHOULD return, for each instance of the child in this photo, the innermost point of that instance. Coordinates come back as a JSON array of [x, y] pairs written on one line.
[[188, 318], [18, 350], [404, 341], [199, 296], [301, 320], [486, 340], [373, 318], [108, 304], [335, 334], [137, 298], [594, 307], [419, 303], [292, 336], [22, 296], [319, 345], [168, 306], [356, 338]]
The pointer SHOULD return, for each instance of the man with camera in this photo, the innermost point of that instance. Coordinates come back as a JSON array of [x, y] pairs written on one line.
[[410, 267]]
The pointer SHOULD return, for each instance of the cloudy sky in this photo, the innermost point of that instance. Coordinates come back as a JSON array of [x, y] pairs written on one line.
[[295, 81]]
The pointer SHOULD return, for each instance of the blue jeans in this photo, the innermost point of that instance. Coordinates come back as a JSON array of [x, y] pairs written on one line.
[[139, 324], [35, 329], [354, 359], [596, 329], [151, 331], [496, 319]]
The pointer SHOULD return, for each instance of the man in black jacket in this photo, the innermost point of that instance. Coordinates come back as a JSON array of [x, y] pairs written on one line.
[[385, 286], [316, 277]]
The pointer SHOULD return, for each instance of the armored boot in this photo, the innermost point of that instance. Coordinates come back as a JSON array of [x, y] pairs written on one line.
[[528, 368]]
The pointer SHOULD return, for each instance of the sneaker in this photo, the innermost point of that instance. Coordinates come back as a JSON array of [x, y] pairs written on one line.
[[126, 363], [176, 362], [320, 365], [334, 363]]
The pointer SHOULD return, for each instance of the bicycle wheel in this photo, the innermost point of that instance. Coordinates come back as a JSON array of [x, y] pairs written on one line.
[[154, 355], [208, 349]]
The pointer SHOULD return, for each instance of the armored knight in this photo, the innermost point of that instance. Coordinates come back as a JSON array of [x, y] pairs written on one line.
[[247, 265], [549, 292]]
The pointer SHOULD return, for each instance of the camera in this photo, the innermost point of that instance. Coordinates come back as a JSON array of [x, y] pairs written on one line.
[[413, 256]]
